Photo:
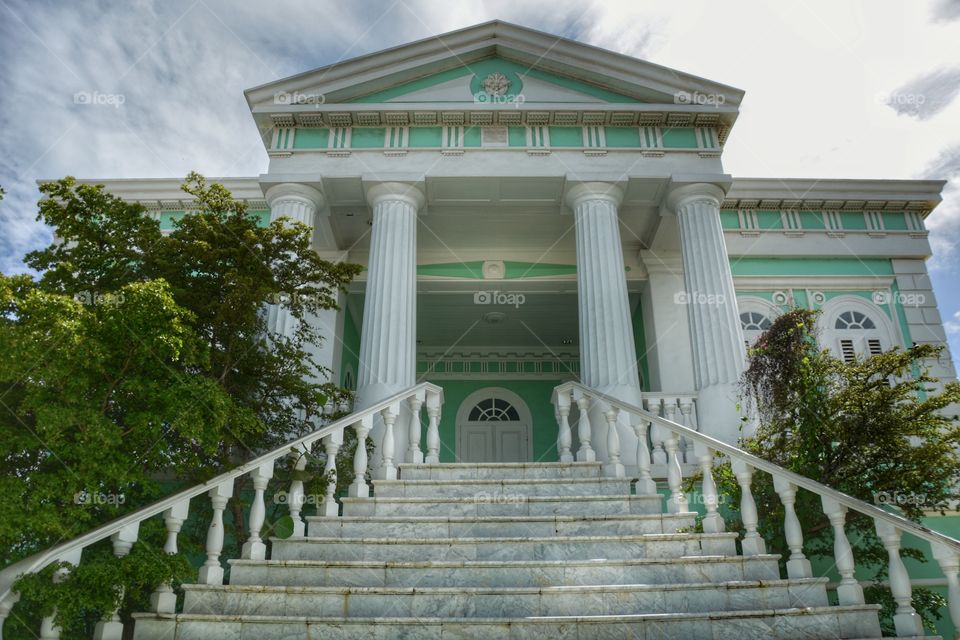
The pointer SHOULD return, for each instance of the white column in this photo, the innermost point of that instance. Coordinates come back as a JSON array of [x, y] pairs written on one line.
[[388, 338], [667, 328], [719, 353], [608, 360]]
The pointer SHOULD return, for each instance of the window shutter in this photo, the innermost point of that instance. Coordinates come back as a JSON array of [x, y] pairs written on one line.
[[846, 350], [873, 346]]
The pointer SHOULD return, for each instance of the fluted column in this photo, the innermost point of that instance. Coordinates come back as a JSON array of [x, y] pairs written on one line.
[[388, 338], [608, 361], [718, 350]]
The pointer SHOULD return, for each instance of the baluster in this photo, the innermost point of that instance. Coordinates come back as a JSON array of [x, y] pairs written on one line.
[[657, 433], [295, 496], [797, 566], [254, 548], [849, 591], [388, 470], [712, 521], [48, 629], [414, 455], [613, 467], [211, 572], [585, 453], [686, 419], [949, 562], [112, 628], [332, 444], [564, 437], [645, 483], [752, 543], [163, 599], [677, 503], [433, 427], [905, 620], [358, 488]]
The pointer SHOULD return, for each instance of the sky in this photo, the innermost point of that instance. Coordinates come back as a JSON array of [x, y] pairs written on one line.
[[834, 89]]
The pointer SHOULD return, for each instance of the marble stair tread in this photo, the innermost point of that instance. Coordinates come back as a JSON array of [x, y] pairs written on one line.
[[503, 573], [509, 470], [807, 623], [487, 602], [353, 527], [503, 506], [518, 487], [659, 545]]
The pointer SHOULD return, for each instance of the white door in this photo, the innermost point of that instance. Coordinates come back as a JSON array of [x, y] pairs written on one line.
[[493, 432]]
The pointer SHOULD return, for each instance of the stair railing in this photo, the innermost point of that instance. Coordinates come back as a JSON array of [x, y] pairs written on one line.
[[174, 509], [889, 526]]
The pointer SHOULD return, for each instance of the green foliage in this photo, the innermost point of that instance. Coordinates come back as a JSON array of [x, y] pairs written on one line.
[[871, 428], [138, 357]]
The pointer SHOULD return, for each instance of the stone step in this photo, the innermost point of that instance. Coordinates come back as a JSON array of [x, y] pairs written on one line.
[[539, 526], [499, 470], [502, 489], [811, 623], [514, 573], [503, 603], [502, 505], [661, 545]]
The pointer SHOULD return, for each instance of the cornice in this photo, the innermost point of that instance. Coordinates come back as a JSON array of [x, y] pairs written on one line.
[[834, 194]]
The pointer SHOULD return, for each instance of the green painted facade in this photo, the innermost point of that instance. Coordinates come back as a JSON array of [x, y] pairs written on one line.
[[895, 221]]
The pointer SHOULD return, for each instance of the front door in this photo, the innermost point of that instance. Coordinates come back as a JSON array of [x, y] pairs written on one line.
[[493, 432]]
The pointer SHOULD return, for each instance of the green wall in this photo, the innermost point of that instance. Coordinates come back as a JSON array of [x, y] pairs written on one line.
[[350, 347]]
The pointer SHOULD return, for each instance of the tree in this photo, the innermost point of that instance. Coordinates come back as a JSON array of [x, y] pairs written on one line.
[[137, 357], [875, 429]]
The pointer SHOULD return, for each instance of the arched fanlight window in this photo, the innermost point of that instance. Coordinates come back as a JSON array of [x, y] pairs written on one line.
[[853, 320], [756, 316], [853, 327], [493, 410]]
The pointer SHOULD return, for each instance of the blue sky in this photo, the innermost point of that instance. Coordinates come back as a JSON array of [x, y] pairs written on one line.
[[818, 76]]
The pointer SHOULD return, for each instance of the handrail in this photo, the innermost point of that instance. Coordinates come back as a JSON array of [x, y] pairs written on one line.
[[865, 508], [38, 561]]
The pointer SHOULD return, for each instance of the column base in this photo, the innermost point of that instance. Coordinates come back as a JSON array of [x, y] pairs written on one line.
[[330, 509], [851, 593], [163, 601], [753, 546], [357, 490], [614, 470], [713, 523], [108, 631], [799, 569], [210, 575], [586, 455], [253, 551], [908, 624]]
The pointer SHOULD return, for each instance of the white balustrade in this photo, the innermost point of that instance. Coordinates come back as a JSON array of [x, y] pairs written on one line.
[[849, 592], [712, 521], [612, 466], [388, 470], [174, 509], [905, 619], [677, 502], [797, 566], [752, 543], [564, 436], [585, 453], [254, 548], [645, 483], [949, 561]]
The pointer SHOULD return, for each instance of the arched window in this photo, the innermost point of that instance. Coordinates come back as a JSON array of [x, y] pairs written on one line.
[[852, 327], [493, 410], [756, 316]]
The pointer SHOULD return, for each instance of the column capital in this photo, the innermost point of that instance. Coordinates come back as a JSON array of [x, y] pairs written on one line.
[[403, 191], [584, 191], [296, 191], [683, 195]]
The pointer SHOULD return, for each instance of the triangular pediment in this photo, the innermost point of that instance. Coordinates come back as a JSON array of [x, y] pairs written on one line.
[[452, 67]]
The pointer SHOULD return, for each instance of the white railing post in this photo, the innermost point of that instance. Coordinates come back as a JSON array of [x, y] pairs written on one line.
[[677, 502], [211, 572], [112, 628], [414, 455], [163, 599], [686, 419], [564, 436], [388, 470], [295, 497], [433, 428], [613, 467], [254, 548], [949, 561], [657, 433], [849, 591], [645, 483], [48, 629], [712, 521], [752, 543], [797, 566], [584, 432], [905, 620], [332, 444], [359, 488]]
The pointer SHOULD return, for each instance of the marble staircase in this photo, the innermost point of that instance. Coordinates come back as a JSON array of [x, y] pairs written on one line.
[[542, 550]]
